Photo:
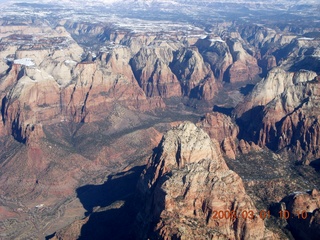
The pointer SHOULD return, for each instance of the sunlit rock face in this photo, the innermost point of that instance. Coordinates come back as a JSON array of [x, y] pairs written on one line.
[[244, 66], [220, 127], [184, 185], [285, 110]]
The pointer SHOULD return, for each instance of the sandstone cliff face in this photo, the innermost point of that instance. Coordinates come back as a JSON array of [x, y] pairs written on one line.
[[304, 210], [223, 129], [136, 41], [273, 85], [259, 36], [28, 102], [267, 63], [185, 182], [301, 53], [138, 71], [244, 67], [216, 52], [195, 76], [218, 126], [292, 121], [151, 67], [55, 89], [285, 109]]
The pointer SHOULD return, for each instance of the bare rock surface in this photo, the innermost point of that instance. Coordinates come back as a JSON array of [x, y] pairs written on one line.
[[273, 85], [304, 214], [219, 126], [244, 67], [284, 107], [185, 182]]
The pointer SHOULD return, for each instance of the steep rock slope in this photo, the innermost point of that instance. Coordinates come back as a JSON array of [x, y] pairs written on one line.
[[273, 85], [216, 52], [244, 67], [300, 53], [304, 211], [66, 90], [185, 183], [291, 121], [196, 77], [151, 67], [221, 128], [284, 107]]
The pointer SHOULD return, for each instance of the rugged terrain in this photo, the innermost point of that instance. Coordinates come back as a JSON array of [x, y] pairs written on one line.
[[89, 93], [185, 184]]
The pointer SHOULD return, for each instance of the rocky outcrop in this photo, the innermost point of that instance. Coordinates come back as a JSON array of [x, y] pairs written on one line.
[[245, 147], [284, 107], [151, 68], [138, 71], [267, 63], [28, 102], [300, 53], [244, 67], [221, 128], [216, 52], [185, 184], [273, 85], [303, 213], [65, 90], [196, 78], [292, 121]]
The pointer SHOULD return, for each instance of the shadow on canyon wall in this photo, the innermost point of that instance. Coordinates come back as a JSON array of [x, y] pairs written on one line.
[[116, 213]]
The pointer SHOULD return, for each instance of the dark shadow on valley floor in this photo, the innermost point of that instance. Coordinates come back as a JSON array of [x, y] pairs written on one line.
[[115, 217], [247, 89], [224, 110], [316, 165]]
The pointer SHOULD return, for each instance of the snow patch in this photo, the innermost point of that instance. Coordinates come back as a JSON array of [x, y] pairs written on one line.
[[298, 193], [24, 61], [216, 40], [305, 38], [70, 62]]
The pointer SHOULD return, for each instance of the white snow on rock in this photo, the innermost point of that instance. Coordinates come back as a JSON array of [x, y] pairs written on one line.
[[70, 62], [24, 61], [306, 39], [216, 40]]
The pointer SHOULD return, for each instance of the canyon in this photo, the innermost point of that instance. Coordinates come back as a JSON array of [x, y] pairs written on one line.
[[143, 121]]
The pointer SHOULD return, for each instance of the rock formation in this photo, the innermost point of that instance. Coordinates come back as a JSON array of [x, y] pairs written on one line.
[[221, 128], [273, 85], [56, 89], [186, 183], [151, 67], [284, 107], [216, 52], [196, 77], [303, 211], [82, 99], [244, 67]]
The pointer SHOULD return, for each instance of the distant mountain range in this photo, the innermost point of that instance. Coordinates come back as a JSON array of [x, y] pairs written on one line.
[[150, 2]]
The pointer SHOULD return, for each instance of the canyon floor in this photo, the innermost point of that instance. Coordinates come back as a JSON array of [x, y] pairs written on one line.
[[142, 120]]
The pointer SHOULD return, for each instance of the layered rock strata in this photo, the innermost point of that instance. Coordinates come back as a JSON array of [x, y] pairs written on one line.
[[223, 129], [282, 113], [185, 184]]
